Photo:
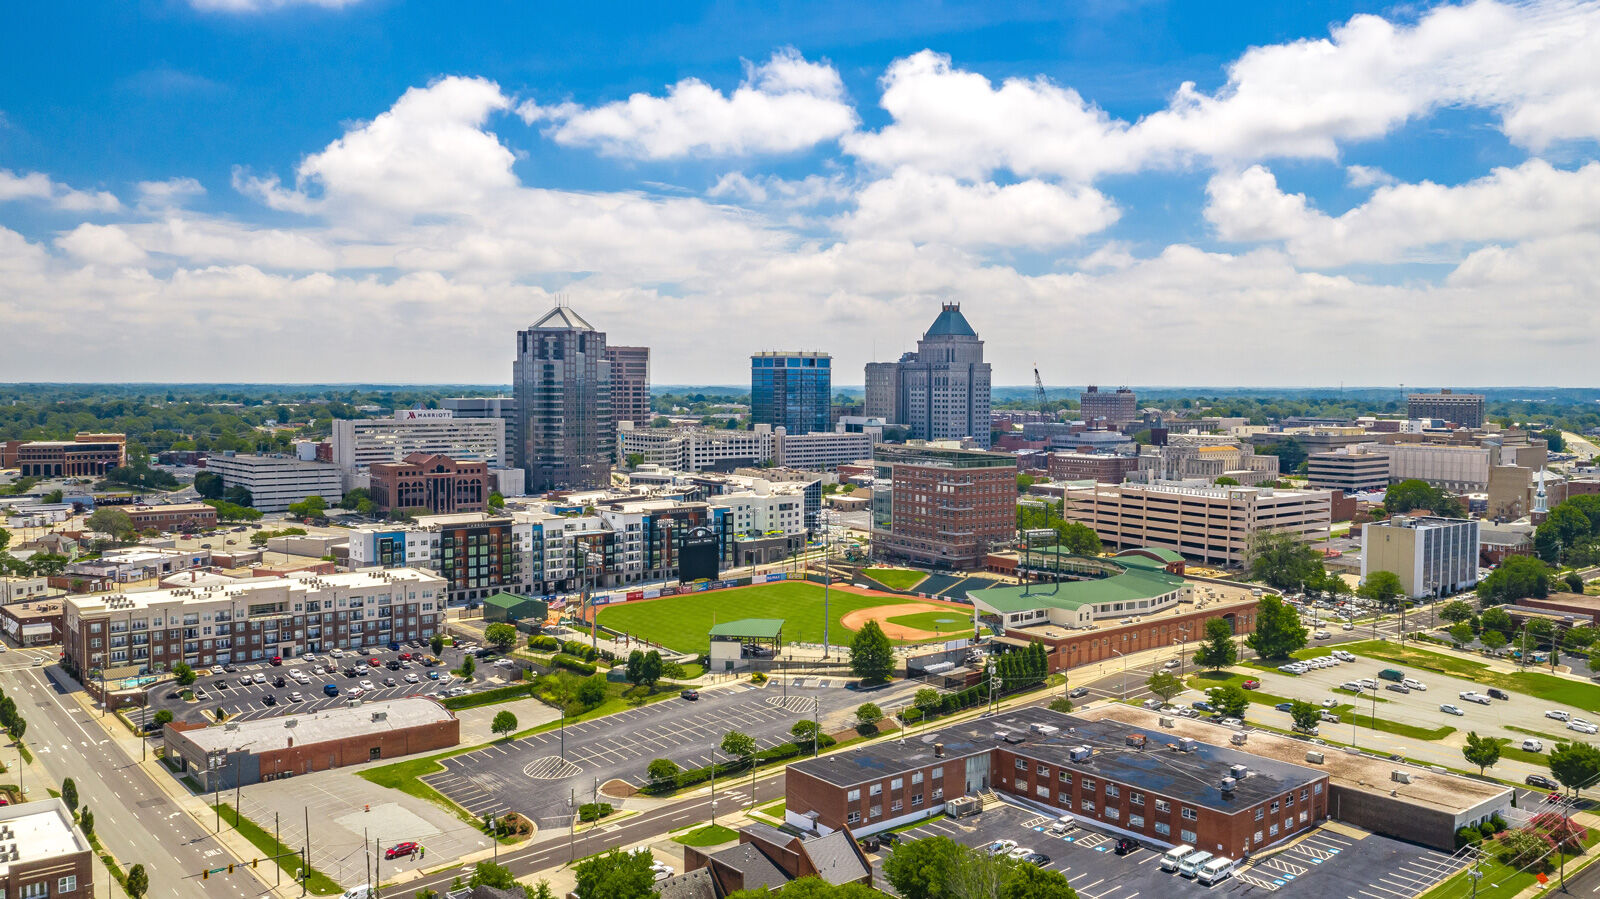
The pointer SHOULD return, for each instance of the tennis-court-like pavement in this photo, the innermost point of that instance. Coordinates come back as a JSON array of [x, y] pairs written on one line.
[[536, 776]]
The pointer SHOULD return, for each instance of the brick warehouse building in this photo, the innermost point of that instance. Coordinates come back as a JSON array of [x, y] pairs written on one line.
[[265, 749], [1126, 779]]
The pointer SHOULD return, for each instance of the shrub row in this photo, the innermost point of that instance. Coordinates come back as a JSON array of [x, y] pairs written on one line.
[[543, 641], [580, 649], [695, 776], [563, 660], [594, 811], [1484, 830], [487, 697]]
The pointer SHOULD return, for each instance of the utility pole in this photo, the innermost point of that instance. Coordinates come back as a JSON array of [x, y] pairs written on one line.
[[377, 859], [827, 544], [572, 831], [816, 718], [277, 837], [305, 854], [366, 866]]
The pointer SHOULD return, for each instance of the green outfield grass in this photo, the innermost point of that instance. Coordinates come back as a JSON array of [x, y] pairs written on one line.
[[938, 622], [894, 578], [681, 622]]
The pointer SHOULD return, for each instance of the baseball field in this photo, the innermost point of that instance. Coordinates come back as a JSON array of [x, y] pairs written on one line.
[[682, 622]]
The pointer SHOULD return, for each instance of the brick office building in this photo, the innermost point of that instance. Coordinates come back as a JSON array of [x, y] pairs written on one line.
[[84, 456], [173, 517], [1126, 779], [630, 383], [270, 748], [438, 483], [47, 856], [944, 507], [1102, 467]]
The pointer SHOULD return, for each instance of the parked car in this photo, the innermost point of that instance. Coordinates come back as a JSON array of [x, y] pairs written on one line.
[[297, 696], [269, 699], [330, 689], [686, 694], [1532, 745], [434, 675], [1323, 635], [1582, 726], [1251, 684], [1201, 706], [1558, 715], [1000, 847], [1078, 692], [1497, 693], [1398, 688], [390, 682], [1173, 663], [1451, 710], [1474, 696], [400, 850], [1394, 674], [367, 685], [412, 679], [1125, 846], [1284, 706], [1542, 782], [1415, 684], [1037, 859]]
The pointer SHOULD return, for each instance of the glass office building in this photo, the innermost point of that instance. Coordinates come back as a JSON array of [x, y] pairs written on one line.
[[791, 390]]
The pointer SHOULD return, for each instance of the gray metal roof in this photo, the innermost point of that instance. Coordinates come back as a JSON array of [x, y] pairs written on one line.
[[835, 858], [696, 884], [753, 864], [562, 318], [950, 323]]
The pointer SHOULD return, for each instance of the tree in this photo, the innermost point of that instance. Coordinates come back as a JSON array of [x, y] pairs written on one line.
[[1216, 650], [592, 691], [868, 715], [1411, 495], [1518, 577], [1229, 700], [1493, 641], [1456, 611], [1165, 685], [1305, 715], [503, 723], [86, 821], [183, 674], [661, 770], [239, 496], [804, 731], [1290, 453], [1382, 587], [1574, 582], [489, 874], [615, 875], [496, 500], [1575, 765], [1495, 618], [1226, 481], [1460, 634], [1284, 562], [501, 636], [311, 507], [468, 665], [1525, 848], [113, 522], [138, 882], [634, 460], [1278, 629], [1481, 751], [737, 744], [871, 655], [918, 869], [162, 718], [436, 643], [69, 794], [1555, 441], [1029, 882], [208, 484], [927, 700]]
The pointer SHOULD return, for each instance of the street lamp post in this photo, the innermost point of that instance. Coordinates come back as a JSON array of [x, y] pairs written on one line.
[[1124, 678]]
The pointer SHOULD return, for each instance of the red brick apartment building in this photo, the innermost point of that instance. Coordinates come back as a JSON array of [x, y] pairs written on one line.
[[434, 482], [1126, 779], [46, 856], [84, 456], [944, 507]]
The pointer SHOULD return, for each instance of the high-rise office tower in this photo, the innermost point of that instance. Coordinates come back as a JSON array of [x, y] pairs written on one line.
[[791, 390], [941, 391], [566, 434], [630, 383]]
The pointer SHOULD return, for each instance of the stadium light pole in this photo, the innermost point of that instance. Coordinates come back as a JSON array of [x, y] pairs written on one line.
[[827, 544]]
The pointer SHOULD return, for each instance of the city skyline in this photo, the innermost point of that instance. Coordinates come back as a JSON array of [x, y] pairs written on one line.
[[1415, 189]]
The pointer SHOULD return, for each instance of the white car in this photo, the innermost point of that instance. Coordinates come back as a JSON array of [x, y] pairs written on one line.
[[1019, 852], [1172, 663], [412, 679], [1347, 626], [1558, 715], [337, 653], [1415, 684], [295, 673], [1343, 656], [1354, 686], [1329, 703], [1474, 696], [1323, 635], [353, 692], [296, 697], [367, 685], [319, 671], [1451, 710], [1369, 683], [1000, 847], [1582, 726], [258, 678], [1532, 745]]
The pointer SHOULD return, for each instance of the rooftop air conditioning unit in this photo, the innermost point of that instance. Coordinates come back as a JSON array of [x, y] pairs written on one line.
[[1186, 744], [1080, 753], [1228, 783], [1238, 771], [1403, 777]]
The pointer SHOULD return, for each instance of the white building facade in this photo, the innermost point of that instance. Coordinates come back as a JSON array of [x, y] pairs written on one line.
[[359, 443], [275, 482]]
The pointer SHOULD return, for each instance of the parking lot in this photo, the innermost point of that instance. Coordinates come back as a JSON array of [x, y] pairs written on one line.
[[535, 777], [1332, 862], [243, 702]]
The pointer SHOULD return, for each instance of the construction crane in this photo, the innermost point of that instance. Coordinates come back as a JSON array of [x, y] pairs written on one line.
[[1039, 394]]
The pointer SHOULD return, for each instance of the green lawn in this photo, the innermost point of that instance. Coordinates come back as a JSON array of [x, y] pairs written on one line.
[[709, 835], [1500, 881], [1512, 750], [894, 578], [682, 622], [1549, 738], [938, 622], [1545, 686], [1398, 729], [287, 858]]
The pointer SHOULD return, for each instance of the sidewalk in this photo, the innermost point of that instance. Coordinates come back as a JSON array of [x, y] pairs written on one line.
[[238, 848]]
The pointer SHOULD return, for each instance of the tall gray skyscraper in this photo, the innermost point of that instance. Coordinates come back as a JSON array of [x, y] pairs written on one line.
[[566, 433], [942, 390]]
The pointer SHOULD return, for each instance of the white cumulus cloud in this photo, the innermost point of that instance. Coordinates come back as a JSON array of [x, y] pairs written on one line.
[[39, 186], [922, 208], [785, 104]]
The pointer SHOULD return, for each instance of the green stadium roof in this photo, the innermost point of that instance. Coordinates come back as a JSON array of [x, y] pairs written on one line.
[[507, 600], [1165, 555], [764, 628], [1136, 582]]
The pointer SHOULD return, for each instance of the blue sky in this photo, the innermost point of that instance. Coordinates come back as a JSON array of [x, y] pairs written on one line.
[[1131, 192]]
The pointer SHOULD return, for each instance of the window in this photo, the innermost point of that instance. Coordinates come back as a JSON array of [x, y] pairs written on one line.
[[1022, 764], [853, 796], [1111, 812], [1188, 837], [1087, 805], [1257, 839], [897, 783], [1190, 814], [916, 799], [916, 778], [938, 793], [1304, 816], [1136, 797], [877, 789], [35, 890], [1303, 796], [1088, 783], [1042, 790], [1065, 777], [1317, 788], [1163, 828], [1113, 791], [853, 818], [1274, 808], [1065, 799], [1260, 813], [894, 806], [67, 884], [1163, 805], [1042, 770], [875, 811], [1273, 830], [1136, 821]]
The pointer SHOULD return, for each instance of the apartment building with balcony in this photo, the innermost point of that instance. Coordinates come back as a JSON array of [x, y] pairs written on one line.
[[250, 620]]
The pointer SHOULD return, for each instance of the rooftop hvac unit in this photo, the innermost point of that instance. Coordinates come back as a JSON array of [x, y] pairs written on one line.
[[1239, 739], [289, 722], [1228, 783], [1238, 771], [1137, 741], [1045, 729], [231, 725], [1166, 721], [1080, 753], [1403, 777], [938, 750], [1186, 744], [380, 716], [1314, 758]]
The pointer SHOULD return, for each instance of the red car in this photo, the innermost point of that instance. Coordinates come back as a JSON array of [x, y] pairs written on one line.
[[277, 660], [400, 850], [405, 656], [1251, 684], [374, 663]]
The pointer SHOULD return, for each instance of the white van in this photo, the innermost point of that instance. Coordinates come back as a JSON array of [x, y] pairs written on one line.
[[1175, 857], [1217, 869], [361, 892], [1191, 864], [1060, 825]]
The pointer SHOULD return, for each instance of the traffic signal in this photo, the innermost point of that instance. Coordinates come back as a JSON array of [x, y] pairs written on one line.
[[254, 861], [206, 874], [230, 867]]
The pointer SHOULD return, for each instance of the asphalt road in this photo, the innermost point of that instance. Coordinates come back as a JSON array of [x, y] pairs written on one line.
[[134, 819]]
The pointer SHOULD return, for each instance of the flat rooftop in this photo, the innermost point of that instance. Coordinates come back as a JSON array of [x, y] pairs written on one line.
[[1443, 791], [302, 581], [268, 734], [1190, 777], [37, 830]]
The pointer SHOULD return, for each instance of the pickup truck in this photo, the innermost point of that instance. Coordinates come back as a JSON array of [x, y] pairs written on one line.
[[1474, 696]]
